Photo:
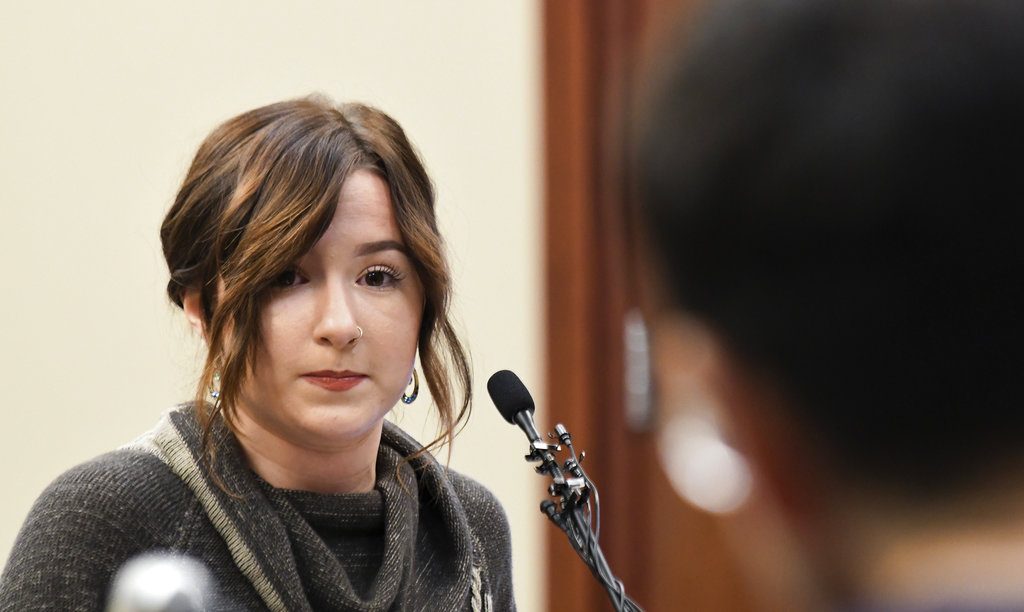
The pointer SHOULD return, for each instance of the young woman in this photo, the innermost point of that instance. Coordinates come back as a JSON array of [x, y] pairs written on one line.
[[303, 247]]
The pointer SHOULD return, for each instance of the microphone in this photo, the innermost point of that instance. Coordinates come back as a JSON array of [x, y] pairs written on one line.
[[515, 404], [513, 401], [161, 582]]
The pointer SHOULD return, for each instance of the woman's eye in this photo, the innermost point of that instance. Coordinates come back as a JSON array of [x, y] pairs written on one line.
[[380, 277], [376, 278], [288, 278]]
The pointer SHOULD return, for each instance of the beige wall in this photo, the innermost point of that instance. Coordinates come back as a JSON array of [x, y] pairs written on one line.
[[103, 106]]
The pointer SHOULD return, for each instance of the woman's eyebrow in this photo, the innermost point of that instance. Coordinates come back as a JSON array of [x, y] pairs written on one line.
[[369, 248]]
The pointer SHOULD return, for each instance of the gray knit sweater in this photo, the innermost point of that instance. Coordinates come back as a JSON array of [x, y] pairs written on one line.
[[444, 537]]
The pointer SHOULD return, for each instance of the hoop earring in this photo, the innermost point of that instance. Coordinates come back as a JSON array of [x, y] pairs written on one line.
[[415, 382], [215, 387]]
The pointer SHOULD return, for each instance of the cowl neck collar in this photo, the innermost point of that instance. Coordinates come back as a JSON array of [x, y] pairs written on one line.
[[289, 566]]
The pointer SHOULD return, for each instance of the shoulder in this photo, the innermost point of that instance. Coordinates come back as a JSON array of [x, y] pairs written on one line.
[[86, 523], [485, 514], [121, 484], [479, 502], [490, 528]]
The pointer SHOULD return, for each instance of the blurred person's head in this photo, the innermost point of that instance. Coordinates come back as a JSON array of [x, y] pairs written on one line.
[[832, 196]]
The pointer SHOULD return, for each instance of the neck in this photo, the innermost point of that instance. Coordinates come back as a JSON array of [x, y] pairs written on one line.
[[287, 465], [966, 555], [965, 566]]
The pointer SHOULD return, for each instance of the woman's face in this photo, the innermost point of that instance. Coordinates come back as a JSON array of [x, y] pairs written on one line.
[[316, 383]]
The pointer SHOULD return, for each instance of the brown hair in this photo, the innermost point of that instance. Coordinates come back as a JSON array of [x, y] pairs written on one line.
[[260, 192]]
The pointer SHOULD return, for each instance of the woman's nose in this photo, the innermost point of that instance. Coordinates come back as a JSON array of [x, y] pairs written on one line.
[[336, 323]]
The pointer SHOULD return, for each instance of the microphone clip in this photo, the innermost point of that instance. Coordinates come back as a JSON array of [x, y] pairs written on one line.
[[538, 448], [572, 514], [569, 482]]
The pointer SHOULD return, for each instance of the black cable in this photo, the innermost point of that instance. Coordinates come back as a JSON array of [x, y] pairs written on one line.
[[614, 586], [595, 560], [573, 518]]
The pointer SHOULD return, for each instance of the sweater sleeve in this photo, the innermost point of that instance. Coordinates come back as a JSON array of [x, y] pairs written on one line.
[[490, 525], [86, 524]]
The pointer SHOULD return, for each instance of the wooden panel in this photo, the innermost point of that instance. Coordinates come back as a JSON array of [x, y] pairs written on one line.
[[669, 556], [570, 234]]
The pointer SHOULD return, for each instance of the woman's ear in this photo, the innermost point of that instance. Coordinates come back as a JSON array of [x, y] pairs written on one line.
[[192, 304]]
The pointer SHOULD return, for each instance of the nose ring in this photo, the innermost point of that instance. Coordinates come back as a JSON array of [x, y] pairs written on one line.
[[360, 336]]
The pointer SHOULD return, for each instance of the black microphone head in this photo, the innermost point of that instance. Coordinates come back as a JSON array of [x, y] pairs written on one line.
[[509, 394]]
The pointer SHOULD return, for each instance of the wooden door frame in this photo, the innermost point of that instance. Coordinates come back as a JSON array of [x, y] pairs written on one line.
[[668, 556]]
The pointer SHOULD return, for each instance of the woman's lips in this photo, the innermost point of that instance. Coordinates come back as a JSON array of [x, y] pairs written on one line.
[[334, 381]]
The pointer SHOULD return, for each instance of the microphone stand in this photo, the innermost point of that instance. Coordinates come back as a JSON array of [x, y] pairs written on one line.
[[573, 512]]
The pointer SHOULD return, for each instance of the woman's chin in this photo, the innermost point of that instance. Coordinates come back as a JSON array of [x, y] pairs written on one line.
[[330, 430]]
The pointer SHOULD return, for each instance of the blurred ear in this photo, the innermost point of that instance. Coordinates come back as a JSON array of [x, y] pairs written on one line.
[[682, 352], [786, 461], [690, 359], [192, 304], [769, 530]]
